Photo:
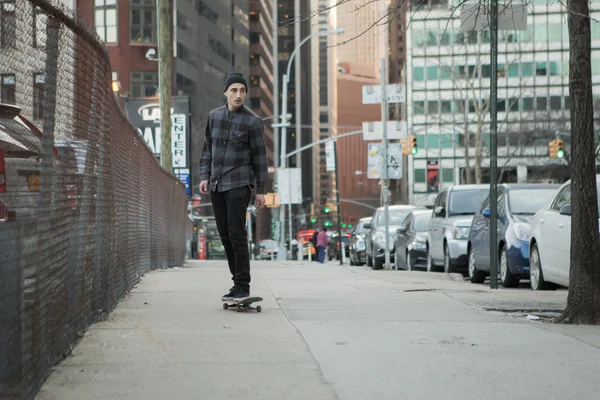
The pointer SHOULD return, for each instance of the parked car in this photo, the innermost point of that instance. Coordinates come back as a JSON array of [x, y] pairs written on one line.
[[516, 205], [450, 224], [267, 250], [410, 249], [333, 249], [550, 242], [376, 237], [357, 248]]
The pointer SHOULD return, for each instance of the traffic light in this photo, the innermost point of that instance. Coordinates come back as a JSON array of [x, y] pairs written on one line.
[[313, 219], [412, 144], [344, 225], [552, 148], [350, 226], [404, 144], [560, 148], [326, 209]]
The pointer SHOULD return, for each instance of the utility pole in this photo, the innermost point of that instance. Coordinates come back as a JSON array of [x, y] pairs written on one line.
[[165, 52], [337, 202], [384, 165]]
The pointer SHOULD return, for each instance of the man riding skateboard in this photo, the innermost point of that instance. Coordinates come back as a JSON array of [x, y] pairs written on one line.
[[233, 164]]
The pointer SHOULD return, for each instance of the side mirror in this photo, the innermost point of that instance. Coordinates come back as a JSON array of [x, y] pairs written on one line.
[[439, 211], [565, 210], [486, 213], [401, 230], [367, 226]]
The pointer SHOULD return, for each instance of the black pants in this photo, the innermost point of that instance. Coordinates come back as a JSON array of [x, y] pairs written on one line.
[[230, 214]]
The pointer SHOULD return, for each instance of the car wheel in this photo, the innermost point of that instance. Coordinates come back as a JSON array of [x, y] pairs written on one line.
[[397, 263], [369, 260], [430, 264], [408, 261], [448, 267], [506, 277], [474, 275], [536, 278], [376, 263]]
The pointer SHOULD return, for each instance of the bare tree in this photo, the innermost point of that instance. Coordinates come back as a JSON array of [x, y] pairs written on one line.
[[583, 301]]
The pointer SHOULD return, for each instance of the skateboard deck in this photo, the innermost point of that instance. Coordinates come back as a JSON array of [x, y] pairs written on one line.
[[243, 304]]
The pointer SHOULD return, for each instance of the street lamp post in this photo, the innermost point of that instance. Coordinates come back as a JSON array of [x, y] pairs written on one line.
[[284, 124]]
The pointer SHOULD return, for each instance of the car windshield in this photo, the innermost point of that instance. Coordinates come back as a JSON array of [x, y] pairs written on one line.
[[466, 202], [529, 201], [396, 217], [269, 245], [360, 228], [421, 222]]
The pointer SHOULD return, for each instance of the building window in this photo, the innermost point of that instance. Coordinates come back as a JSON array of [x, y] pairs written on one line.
[[219, 48], [8, 25], [40, 21], [39, 81], [555, 103], [419, 175], [419, 108], [105, 20], [255, 81], [254, 37], [541, 69], [8, 89], [254, 59], [542, 103], [144, 84], [143, 21], [418, 74]]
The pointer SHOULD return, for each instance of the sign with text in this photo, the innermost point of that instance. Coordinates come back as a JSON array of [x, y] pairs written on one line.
[[329, 156], [289, 182], [375, 161], [144, 114], [394, 94], [184, 176]]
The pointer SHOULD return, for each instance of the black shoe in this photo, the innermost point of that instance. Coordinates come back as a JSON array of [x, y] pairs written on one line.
[[229, 296], [241, 293]]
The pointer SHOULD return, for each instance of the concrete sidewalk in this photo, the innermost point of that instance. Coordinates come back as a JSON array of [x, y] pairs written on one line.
[[171, 339], [329, 332]]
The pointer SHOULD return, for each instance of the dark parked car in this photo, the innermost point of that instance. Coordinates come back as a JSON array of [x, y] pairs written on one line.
[[357, 246], [376, 236], [516, 204], [410, 247], [333, 250]]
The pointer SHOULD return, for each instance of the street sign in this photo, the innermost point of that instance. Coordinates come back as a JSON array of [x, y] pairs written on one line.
[[329, 156], [184, 176], [285, 178], [476, 17], [375, 161], [394, 94], [395, 130]]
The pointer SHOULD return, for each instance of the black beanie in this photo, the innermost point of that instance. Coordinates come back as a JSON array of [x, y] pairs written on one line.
[[235, 77]]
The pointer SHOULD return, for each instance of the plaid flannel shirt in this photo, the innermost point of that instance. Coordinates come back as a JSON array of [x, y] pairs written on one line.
[[234, 152]]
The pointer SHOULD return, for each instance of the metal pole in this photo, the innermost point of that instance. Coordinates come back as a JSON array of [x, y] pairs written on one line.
[[282, 253], [290, 210], [384, 167], [337, 201], [494, 149], [275, 41]]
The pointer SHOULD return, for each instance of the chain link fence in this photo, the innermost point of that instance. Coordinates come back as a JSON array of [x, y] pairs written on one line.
[[85, 208]]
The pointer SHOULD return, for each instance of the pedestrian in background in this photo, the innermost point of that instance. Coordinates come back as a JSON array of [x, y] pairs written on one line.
[[233, 164], [322, 243]]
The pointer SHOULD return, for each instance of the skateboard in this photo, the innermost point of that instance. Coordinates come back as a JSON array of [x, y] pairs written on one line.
[[243, 304]]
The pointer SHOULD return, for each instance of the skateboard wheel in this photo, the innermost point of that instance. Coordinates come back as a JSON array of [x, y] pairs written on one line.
[[225, 306], [258, 308]]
